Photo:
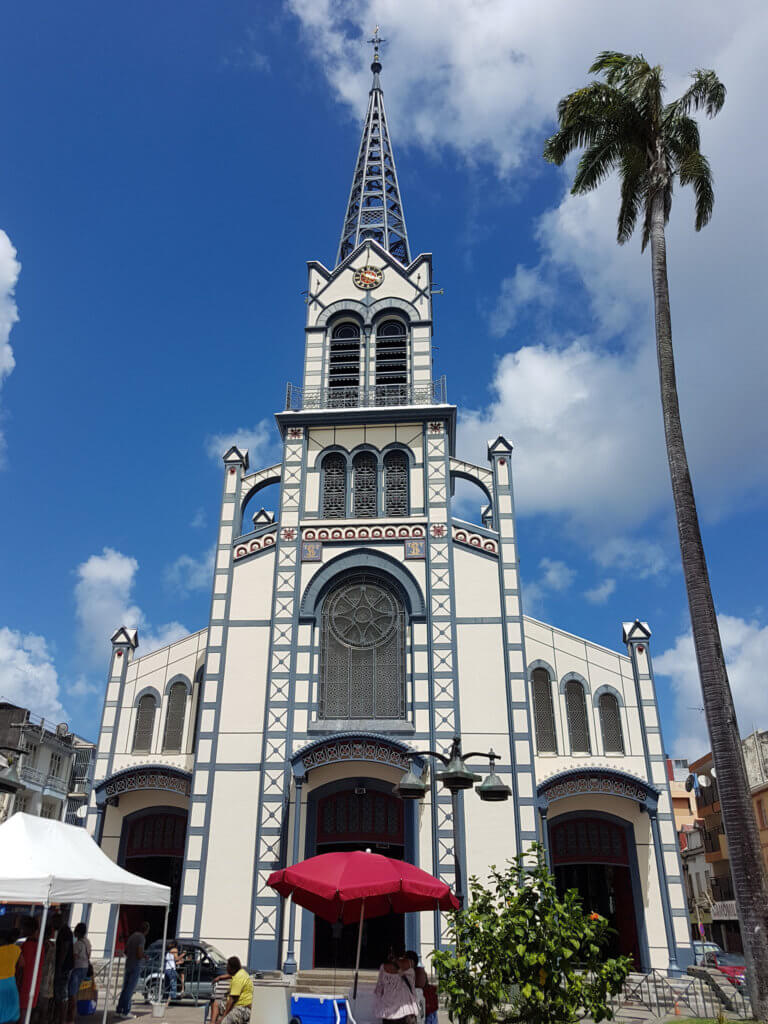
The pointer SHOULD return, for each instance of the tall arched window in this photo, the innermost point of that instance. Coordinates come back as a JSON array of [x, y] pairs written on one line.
[[334, 481], [145, 724], [174, 718], [391, 363], [365, 484], [543, 712], [610, 724], [576, 712], [362, 658], [396, 484], [344, 367]]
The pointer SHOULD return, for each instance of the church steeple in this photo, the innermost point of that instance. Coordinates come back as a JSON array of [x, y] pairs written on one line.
[[375, 209]]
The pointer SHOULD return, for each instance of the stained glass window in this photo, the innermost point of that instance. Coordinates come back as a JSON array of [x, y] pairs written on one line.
[[576, 711], [365, 490], [334, 499], [610, 724], [543, 712], [396, 484], [362, 651], [145, 724], [174, 718]]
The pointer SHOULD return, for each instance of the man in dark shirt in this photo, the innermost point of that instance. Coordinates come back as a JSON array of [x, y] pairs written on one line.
[[134, 954]]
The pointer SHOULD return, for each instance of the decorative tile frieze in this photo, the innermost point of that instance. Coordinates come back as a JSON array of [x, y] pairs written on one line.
[[329, 534], [475, 540], [258, 544]]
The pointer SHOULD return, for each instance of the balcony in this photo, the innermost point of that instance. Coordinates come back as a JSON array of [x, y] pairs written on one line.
[[722, 889], [35, 777], [377, 396]]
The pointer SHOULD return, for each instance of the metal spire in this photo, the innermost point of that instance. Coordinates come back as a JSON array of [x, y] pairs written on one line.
[[374, 208]]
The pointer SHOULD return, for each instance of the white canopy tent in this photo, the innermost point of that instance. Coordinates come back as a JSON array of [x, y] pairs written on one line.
[[45, 861]]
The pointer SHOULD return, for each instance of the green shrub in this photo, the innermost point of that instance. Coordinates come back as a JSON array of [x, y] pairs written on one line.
[[521, 953]]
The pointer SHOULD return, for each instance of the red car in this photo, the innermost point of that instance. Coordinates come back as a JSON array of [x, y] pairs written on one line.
[[730, 964]]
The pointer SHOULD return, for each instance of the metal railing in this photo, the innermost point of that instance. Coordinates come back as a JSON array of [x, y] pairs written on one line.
[[32, 775], [722, 889], [298, 398], [654, 996]]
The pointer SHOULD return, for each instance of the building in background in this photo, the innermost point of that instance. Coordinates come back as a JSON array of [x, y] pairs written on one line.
[[365, 622], [724, 927], [51, 766]]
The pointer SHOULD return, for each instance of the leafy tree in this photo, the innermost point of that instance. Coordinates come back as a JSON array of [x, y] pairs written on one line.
[[523, 953], [623, 124]]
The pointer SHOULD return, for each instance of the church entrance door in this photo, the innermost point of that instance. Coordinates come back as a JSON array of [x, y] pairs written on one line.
[[153, 847], [591, 855], [360, 819]]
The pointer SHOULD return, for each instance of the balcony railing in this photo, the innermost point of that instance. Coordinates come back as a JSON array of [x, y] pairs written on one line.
[[32, 775], [38, 778], [298, 398], [722, 889]]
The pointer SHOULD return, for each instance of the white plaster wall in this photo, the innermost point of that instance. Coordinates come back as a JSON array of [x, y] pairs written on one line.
[[243, 691], [252, 582], [476, 579]]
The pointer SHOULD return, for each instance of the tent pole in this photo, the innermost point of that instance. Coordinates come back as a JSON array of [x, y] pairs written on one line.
[[359, 944], [36, 968], [161, 972], [109, 972]]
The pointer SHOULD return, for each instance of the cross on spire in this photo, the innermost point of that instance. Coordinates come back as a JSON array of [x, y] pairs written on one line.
[[375, 209]]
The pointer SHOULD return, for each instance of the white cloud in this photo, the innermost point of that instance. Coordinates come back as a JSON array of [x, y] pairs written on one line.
[[188, 573], [83, 688], [641, 558], [556, 575], [600, 593], [28, 676], [523, 288], [260, 440], [9, 275], [198, 520], [745, 643], [103, 602]]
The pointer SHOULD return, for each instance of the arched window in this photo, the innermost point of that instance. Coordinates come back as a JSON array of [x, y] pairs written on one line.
[[543, 712], [391, 363], [334, 479], [365, 484], [396, 484], [362, 659], [145, 724], [610, 724], [174, 719], [344, 367], [576, 712]]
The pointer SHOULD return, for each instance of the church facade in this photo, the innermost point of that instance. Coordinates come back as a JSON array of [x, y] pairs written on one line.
[[360, 625]]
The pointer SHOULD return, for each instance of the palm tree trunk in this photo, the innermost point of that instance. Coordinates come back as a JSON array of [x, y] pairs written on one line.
[[751, 887]]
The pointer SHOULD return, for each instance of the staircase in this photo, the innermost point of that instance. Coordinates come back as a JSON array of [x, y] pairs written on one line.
[[330, 981]]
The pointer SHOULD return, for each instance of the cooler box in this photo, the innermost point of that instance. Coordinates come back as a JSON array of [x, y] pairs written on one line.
[[311, 1009], [87, 997]]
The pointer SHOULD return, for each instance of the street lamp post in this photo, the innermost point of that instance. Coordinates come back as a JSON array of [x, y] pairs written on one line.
[[456, 777]]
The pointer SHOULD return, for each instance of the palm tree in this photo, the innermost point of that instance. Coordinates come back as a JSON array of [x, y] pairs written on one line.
[[622, 123]]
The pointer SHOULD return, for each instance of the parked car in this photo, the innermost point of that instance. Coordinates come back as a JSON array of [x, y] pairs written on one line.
[[732, 965], [701, 948], [202, 962]]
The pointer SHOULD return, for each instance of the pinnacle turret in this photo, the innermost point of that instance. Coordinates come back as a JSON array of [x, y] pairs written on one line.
[[375, 209]]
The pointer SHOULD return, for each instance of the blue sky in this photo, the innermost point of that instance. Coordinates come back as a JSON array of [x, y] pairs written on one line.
[[168, 170]]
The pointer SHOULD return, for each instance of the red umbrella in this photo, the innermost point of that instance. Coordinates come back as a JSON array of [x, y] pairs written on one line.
[[353, 885]]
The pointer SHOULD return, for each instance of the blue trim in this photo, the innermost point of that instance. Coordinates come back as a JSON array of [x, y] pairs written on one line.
[[143, 693], [354, 561], [605, 688], [651, 792], [634, 872], [179, 678], [569, 676]]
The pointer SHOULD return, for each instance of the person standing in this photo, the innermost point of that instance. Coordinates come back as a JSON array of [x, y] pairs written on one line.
[[45, 1002], [171, 974], [65, 961], [395, 992], [134, 954], [29, 932], [81, 957], [10, 972], [240, 999]]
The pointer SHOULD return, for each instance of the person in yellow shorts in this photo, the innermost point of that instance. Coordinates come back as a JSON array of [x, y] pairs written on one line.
[[240, 999], [10, 971]]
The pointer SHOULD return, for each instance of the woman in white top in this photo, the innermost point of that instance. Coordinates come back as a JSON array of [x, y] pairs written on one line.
[[81, 952], [395, 992]]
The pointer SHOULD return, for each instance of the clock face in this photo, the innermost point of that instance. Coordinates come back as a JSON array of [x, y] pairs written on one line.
[[368, 277]]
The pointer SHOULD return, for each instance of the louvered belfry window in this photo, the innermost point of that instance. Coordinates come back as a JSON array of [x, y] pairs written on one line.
[[543, 712], [334, 500], [364, 494], [610, 724], [576, 711], [344, 367], [145, 724], [396, 484], [391, 363], [174, 719], [362, 660]]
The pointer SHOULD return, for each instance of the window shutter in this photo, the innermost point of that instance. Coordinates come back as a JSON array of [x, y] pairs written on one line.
[[544, 712], [610, 724], [576, 710], [365, 494], [396, 484], [145, 724], [334, 501], [174, 718]]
